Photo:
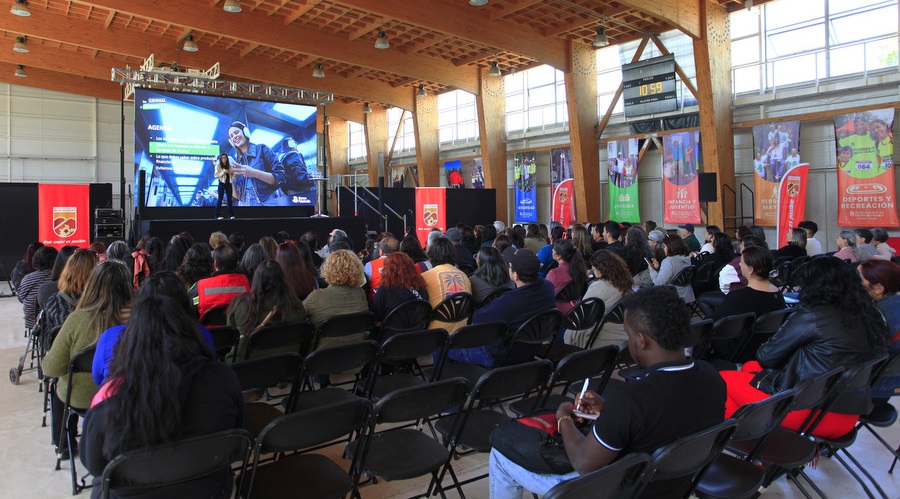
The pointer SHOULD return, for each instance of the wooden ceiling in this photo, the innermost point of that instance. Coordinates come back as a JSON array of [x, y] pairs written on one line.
[[440, 44]]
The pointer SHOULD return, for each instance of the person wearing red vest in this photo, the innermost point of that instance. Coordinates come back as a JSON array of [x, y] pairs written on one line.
[[386, 246], [221, 287]]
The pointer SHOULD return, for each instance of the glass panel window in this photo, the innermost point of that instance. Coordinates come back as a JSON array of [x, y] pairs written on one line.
[[792, 12], [796, 41], [863, 25], [357, 135], [745, 51], [839, 6], [744, 23], [456, 116]]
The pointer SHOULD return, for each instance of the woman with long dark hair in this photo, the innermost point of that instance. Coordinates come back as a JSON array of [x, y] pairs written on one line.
[[300, 279], [51, 286], [491, 274], [881, 279], [836, 325], [25, 266], [400, 282], [104, 303], [162, 387], [196, 265], [612, 282], [27, 292], [411, 246], [176, 249], [760, 296], [254, 256], [677, 258], [225, 175], [571, 269], [637, 248]]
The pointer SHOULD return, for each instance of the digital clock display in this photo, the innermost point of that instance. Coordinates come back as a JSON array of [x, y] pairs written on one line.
[[649, 86]]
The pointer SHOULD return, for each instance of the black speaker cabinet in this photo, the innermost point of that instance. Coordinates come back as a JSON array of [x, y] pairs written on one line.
[[709, 188]]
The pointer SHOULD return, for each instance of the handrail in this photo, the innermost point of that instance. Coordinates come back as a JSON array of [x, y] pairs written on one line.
[[357, 197]]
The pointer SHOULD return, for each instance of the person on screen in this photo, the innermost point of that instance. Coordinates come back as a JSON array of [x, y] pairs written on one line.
[[225, 176], [884, 142], [864, 163], [258, 173]]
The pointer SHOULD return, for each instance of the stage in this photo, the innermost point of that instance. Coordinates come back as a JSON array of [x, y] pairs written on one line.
[[255, 228]]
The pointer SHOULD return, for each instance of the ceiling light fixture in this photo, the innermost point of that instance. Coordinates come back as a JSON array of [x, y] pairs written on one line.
[[421, 91], [20, 71], [477, 3], [495, 69], [20, 8], [601, 40], [233, 6], [381, 42], [318, 72], [20, 46], [367, 109], [190, 45]]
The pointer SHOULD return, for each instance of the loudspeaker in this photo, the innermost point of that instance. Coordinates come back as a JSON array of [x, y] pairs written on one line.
[[708, 187]]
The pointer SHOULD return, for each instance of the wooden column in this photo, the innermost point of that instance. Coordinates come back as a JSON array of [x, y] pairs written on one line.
[[581, 99], [376, 140], [712, 56], [425, 119], [491, 102], [338, 144]]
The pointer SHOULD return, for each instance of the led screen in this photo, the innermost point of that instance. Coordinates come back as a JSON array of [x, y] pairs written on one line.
[[271, 146]]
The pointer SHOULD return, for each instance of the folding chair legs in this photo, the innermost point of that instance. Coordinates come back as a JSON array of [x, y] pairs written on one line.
[[889, 447], [861, 468]]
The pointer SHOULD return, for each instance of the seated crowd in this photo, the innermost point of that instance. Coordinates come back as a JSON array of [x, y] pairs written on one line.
[[142, 308]]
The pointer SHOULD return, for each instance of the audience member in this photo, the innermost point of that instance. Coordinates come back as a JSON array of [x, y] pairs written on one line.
[[312, 240], [223, 285], [162, 368], [637, 252], [545, 255], [444, 279], [118, 250], [463, 255], [760, 296], [582, 242], [795, 247], [49, 287], [759, 232], [597, 240], [27, 291], [687, 233], [300, 279], [881, 279], [846, 243], [236, 239], [813, 246], [721, 254], [649, 226], [611, 283], [254, 256], [71, 285], [176, 249], [739, 234], [708, 239], [400, 282], [268, 243], [490, 275], [196, 265], [883, 251], [612, 232], [864, 247], [413, 249], [24, 266], [655, 239], [343, 272], [571, 269], [836, 325], [488, 234], [469, 240], [677, 398], [677, 259]]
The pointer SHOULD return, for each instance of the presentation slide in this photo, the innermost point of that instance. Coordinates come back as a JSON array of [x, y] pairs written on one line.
[[271, 150]]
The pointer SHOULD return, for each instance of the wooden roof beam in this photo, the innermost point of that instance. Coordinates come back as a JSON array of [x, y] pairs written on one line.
[[61, 82], [512, 8], [681, 14]]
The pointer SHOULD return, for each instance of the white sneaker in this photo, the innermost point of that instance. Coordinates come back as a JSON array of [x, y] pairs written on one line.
[[232, 218], [220, 218]]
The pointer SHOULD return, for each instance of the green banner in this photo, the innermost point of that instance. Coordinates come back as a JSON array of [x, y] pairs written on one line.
[[623, 181]]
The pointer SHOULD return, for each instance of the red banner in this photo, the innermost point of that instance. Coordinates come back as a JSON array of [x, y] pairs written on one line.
[[563, 203], [431, 211], [865, 169], [63, 215], [681, 191], [791, 201]]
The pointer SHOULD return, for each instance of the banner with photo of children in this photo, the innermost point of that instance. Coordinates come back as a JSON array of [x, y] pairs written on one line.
[[865, 160], [525, 181], [562, 181], [681, 191], [776, 151], [477, 173], [622, 156], [455, 178]]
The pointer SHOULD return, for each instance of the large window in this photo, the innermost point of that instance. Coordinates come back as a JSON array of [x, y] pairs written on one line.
[[535, 99], [407, 139], [357, 135], [457, 117], [797, 41]]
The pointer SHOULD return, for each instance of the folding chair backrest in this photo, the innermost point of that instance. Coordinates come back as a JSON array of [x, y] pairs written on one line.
[[225, 338], [701, 334], [477, 335], [178, 461], [346, 325], [616, 480], [215, 316], [757, 419], [312, 427], [852, 390], [811, 392], [82, 362], [408, 404], [294, 336], [411, 315], [509, 381], [689, 455], [585, 314], [493, 295], [797, 275], [779, 277], [733, 326], [596, 362], [769, 323], [540, 328], [411, 345], [340, 358], [706, 271], [457, 307], [685, 277], [267, 372], [570, 292]]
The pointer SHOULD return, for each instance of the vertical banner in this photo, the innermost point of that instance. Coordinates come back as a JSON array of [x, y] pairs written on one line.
[[398, 177], [865, 160], [681, 192], [775, 151], [525, 180], [431, 211], [455, 178], [63, 214], [622, 156], [477, 173], [563, 183], [791, 201]]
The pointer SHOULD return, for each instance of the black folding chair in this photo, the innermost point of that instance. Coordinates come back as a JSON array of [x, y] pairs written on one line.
[[280, 338], [763, 328], [455, 308], [225, 341], [781, 274], [215, 316], [728, 334], [81, 363], [586, 315], [471, 336], [319, 476], [361, 324], [357, 356], [617, 480], [404, 348], [527, 341], [411, 315], [570, 292], [267, 372], [884, 414], [178, 462], [493, 295]]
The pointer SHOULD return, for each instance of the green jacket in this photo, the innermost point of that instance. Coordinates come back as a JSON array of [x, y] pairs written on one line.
[[75, 335]]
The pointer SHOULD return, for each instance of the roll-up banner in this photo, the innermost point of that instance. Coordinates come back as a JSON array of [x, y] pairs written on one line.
[[622, 156], [681, 192], [563, 183], [791, 201], [63, 215], [525, 180], [775, 151], [477, 173], [431, 211], [865, 161]]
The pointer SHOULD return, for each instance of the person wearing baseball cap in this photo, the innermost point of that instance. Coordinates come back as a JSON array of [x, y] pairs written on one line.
[[531, 296], [687, 233]]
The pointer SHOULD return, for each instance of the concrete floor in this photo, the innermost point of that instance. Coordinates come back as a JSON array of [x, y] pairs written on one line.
[[25, 445]]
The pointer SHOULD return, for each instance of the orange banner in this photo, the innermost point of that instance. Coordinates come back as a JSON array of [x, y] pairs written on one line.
[[865, 169], [681, 191], [431, 211], [791, 201], [63, 215], [775, 151]]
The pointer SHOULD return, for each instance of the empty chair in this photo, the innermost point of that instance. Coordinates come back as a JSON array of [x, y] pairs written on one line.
[[215, 316], [345, 328], [280, 338], [585, 318], [225, 341], [404, 453], [266, 372], [471, 336], [411, 315], [319, 476], [616, 480], [404, 348], [358, 356], [530, 339], [82, 362], [177, 462], [729, 333]]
